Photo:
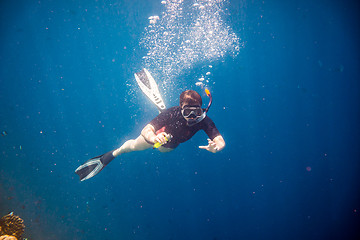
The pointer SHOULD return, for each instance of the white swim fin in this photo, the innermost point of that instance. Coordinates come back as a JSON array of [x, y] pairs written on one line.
[[149, 87]]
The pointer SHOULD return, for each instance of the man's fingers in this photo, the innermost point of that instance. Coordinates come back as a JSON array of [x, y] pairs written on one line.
[[203, 147], [161, 138]]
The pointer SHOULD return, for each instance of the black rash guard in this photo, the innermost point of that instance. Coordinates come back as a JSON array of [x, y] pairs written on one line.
[[176, 125]]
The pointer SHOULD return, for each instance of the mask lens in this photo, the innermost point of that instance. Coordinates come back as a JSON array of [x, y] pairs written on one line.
[[186, 111], [192, 111], [198, 112]]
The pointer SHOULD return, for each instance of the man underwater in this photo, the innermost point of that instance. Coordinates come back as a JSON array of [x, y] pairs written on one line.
[[165, 132]]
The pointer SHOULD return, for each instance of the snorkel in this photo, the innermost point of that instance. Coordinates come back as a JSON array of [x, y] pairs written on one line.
[[192, 122], [210, 101]]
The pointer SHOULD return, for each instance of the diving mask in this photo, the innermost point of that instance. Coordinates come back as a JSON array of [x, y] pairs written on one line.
[[191, 111]]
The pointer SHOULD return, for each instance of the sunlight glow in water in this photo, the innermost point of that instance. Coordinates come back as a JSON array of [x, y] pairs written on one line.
[[188, 34]]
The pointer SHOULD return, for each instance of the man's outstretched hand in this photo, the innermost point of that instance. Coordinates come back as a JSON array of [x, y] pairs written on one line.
[[212, 147]]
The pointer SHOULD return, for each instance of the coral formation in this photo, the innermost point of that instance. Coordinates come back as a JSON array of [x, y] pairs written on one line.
[[7, 237], [12, 225]]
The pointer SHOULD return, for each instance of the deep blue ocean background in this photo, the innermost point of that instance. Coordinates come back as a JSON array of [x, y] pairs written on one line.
[[287, 106]]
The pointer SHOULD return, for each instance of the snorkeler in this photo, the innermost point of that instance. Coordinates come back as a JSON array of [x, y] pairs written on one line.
[[165, 132]]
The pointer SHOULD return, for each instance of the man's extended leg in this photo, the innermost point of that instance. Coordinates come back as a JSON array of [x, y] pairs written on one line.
[[137, 144]]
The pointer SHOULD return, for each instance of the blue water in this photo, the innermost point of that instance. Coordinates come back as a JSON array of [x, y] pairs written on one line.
[[287, 106]]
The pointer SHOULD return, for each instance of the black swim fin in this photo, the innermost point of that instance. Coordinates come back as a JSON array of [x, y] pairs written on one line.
[[94, 165]]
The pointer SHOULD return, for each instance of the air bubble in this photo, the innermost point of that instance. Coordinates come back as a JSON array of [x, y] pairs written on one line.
[[186, 36]]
